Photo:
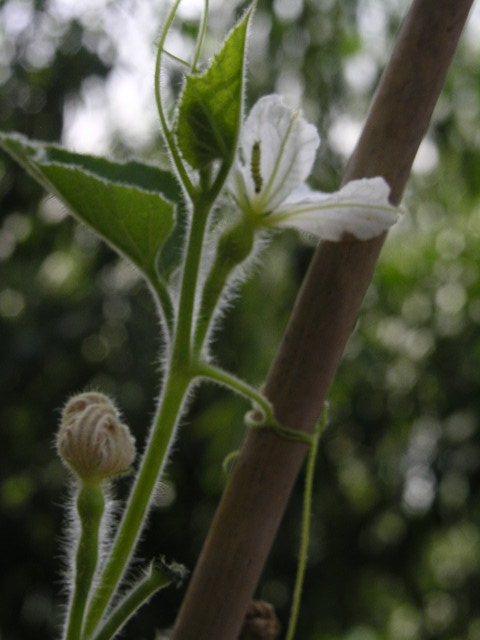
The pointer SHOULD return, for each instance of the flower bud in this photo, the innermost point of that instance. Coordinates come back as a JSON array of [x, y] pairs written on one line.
[[92, 441], [261, 622]]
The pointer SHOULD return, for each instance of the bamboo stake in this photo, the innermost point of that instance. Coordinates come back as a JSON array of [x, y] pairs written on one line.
[[253, 503]]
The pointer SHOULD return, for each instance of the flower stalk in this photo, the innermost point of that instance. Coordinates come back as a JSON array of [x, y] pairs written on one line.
[[90, 506], [233, 248], [159, 576]]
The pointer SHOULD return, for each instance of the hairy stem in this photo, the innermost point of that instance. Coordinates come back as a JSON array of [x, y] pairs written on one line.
[[179, 377], [162, 294], [233, 248], [167, 132], [182, 347], [201, 37], [139, 594], [211, 372], [90, 507]]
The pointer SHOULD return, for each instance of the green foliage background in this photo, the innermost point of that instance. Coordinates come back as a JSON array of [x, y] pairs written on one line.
[[395, 549]]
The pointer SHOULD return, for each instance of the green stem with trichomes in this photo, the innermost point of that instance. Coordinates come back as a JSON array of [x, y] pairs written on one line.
[[233, 248], [232, 382], [178, 379], [182, 347], [201, 37], [156, 579], [167, 132], [164, 298], [90, 506]]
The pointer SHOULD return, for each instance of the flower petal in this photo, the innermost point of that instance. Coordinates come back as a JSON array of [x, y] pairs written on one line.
[[278, 148], [359, 211]]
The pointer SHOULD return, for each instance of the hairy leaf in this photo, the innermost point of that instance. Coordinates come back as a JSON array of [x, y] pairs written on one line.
[[210, 111], [130, 205]]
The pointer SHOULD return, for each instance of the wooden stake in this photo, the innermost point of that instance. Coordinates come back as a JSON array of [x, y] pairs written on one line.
[[254, 501]]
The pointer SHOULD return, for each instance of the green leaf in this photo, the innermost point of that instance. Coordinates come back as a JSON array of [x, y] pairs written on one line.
[[130, 205], [210, 110]]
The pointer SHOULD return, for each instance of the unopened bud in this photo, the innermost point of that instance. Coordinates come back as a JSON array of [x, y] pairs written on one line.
[[261, 622], [92, 441]]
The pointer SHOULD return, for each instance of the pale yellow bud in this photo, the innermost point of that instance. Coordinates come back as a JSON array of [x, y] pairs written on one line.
[[92, 441]]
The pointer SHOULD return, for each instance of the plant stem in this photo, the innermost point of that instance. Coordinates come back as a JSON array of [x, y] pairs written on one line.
[[169, 138], [211, 372], [234, 246], [305, 532], [90, 507], [179, 377], [139, 594], [162, 294], [182, 346], [201, 37]]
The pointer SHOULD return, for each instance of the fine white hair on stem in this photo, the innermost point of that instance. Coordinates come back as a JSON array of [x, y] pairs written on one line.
[[239, 275], [70, 536], [68, 545], [166, 458]]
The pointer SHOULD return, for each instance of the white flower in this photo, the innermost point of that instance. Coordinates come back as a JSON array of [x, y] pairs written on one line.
[[276, 154]]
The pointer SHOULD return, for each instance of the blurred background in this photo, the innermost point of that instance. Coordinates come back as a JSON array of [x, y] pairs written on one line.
[[395, 548]]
